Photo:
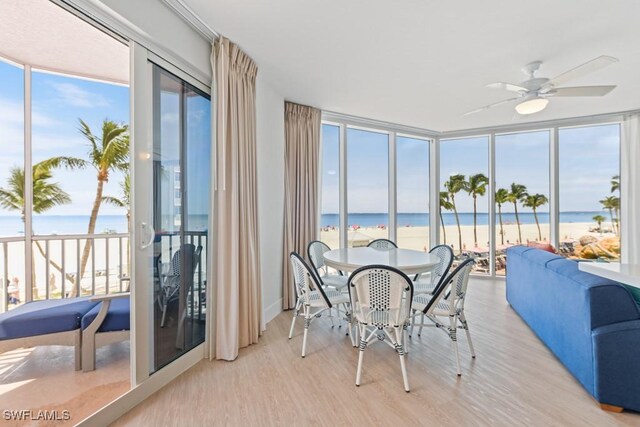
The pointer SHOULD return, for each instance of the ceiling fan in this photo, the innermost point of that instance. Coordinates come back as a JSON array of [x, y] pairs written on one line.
[[534, 92]]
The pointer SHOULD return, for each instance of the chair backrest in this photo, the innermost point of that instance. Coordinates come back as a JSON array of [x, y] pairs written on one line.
[[445, 255], [305, 280], [316, 250], [453, 289], [382, 244], [380, 295]]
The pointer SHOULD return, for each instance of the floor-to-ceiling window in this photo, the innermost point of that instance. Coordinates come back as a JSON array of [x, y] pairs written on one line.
[[589, 197], [584, 223], [522, 191], [367, 186], [12, 265], [412, 192], [330, 192], [464, 203]]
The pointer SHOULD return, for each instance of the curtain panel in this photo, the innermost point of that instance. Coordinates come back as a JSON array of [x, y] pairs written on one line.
[[302, 152], [236, 259]]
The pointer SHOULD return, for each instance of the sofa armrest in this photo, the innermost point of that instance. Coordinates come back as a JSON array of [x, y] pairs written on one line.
[[616, 355]]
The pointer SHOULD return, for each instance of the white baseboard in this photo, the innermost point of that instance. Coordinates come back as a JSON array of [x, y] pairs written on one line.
[[272, 311]]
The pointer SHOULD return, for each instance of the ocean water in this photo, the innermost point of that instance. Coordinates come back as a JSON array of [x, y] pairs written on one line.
[[466, 218], [77, 224]]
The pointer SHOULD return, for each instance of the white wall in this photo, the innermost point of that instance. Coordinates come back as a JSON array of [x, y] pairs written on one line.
[[270, 133]]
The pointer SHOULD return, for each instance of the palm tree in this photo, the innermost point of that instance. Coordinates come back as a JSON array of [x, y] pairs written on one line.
[[455, 184], [534, 201], [502, 197], [476, 186], [46, 195], [516, 194], [107, 154], [599, 219], [615, 183], [611, 203], [446, 205], [124, 201]]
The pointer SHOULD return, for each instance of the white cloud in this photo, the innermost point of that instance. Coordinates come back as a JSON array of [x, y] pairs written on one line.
[[74, 95]]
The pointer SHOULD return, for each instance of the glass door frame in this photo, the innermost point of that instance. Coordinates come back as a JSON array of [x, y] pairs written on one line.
[[142, 234]]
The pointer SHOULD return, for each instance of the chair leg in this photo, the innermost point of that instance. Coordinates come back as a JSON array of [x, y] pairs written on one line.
[[307, 322], [296, 311], [363, 345], [452, 335], [164, 313], [466, 329], [421, 323], [403, 366], [413, 322]]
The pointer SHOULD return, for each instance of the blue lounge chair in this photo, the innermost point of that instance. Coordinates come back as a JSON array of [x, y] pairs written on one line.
[[49, 322], [106, 323]]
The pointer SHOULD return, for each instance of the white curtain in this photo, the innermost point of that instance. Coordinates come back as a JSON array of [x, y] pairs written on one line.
[[236, 260], [630, 189]]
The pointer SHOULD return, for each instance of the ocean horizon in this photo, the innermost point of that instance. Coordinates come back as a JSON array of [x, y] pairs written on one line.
[[466, 218], [11, 225]]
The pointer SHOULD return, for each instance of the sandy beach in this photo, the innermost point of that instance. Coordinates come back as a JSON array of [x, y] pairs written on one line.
[[418, 237]]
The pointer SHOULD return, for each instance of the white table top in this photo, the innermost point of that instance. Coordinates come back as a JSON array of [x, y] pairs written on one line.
[[629, 274], [406, 260]]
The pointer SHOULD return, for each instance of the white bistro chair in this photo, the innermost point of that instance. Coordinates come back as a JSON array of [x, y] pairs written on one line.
[[313, 300], [448, 303], [428, 282], [382, 244], [381, 303], [316, 250]]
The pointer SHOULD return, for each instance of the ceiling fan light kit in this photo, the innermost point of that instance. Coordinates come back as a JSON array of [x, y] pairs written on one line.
[[532, 105], [532, 94]]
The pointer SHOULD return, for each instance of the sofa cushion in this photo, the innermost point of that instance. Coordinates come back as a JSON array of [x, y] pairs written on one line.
[[44, 317], [117, 317]]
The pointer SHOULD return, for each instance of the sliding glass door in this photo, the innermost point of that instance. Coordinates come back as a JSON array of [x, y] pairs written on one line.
[[181, 167]]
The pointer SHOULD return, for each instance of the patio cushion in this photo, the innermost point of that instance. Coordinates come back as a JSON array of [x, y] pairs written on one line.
[[44, 317], [117, 317]]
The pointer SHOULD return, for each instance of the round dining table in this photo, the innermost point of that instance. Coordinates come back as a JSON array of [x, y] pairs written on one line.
[[408, 261]]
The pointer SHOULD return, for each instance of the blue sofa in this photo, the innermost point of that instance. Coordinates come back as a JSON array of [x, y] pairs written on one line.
[[591, 324]]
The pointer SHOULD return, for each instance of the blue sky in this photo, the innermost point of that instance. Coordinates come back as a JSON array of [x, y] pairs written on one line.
[[58, 102], [589, 157]]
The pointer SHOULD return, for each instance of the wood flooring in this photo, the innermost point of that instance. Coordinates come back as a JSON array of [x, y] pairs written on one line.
[[514, 381]]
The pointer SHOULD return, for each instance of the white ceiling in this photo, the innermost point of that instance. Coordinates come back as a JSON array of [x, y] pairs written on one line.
[[425, 62], [41, 34]]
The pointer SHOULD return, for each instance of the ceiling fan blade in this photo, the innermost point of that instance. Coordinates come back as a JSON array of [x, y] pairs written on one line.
[[581, 91], [582, 70], [507, 86], [495, 104]]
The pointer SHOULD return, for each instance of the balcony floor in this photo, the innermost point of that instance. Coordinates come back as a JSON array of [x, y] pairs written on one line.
[[43, 378]]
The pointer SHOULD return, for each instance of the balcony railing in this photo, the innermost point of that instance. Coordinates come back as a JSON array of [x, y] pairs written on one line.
[[55, 261]]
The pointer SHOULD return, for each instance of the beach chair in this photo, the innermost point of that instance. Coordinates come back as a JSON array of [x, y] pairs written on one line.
[[107, 322], [84, 323], [48, 322]]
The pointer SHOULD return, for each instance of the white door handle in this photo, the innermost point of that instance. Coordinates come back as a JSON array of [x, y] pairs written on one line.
[[150, 232]]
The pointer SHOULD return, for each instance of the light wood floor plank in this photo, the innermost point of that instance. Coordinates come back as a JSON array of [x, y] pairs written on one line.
[[514, 381]]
